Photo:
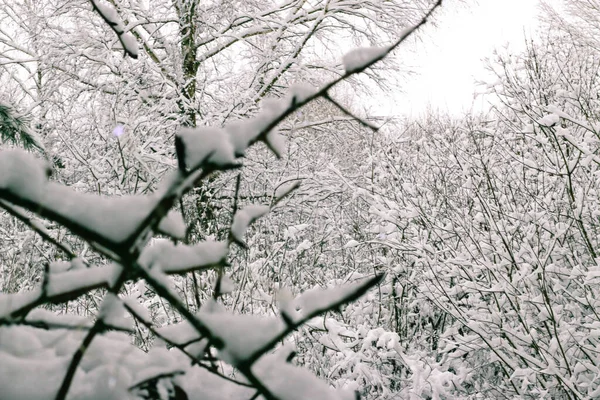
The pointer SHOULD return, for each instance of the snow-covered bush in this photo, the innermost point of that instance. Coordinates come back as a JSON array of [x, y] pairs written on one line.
[[495, 222], [121, 229]]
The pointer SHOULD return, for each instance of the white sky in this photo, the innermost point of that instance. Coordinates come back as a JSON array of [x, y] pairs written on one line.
[[450, 58]]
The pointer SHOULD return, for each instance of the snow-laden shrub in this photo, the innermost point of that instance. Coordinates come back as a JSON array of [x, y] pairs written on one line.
[[92, 359]]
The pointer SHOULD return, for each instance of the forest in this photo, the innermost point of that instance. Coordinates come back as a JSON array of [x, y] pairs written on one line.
[[195, 203]]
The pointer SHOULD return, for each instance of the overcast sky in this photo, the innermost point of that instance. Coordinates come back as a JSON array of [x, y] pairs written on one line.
[[450, 58]]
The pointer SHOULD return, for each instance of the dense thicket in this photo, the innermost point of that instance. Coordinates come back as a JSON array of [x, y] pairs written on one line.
[[486, 226]]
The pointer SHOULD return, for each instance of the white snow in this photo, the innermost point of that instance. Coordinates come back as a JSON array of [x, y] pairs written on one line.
[[291, 232], [129, 44], [12, 302], [317, 299], [197, 349], [56, 267], [351, 243], [171, 258], [289, 382], [112, 312], [20, 342], [110, 14], [127, 40], [300, 92], [138, 308], [358, 59], [549, 120], [285, 302], [22, 174], [173, 225], [244, 217], [107, 382], [40, 315], [199, 143], [243, 335], [180, 333], [201, 384], [285, 188], [82, 279], [304, 245], [276, 142], [241, 135], [112, 218], [42, 378]]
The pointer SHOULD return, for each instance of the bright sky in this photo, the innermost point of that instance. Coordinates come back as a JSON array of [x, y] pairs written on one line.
[[450, 58]]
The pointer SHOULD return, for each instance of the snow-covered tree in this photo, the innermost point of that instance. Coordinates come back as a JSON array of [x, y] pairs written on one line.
[[140, 242]]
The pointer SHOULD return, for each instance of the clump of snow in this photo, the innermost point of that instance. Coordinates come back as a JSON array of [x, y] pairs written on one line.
[[19, 342], [141, 311], [285, 301], [173, 225], [40, 315], [291, 232], [171, 258], [43, 377], [358, 59], [109, 14], [301, 92], [271, 108], [206, 144], [549, 120], [79, 280], [22, 174], [129, 43], [56, 267], [351, 243], [114, 219], [107, 382], [244, 133], [11, 303], [286, 381], [204, 384], [197, 349], [276, 142], [244, 217], [241, 134], [528, 128], [286, 188], [243, 335], [304, 245], [168, 181], [112, 312], [180, 333], [78, 263], [317, 299]]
